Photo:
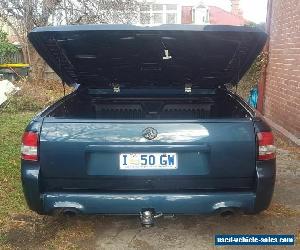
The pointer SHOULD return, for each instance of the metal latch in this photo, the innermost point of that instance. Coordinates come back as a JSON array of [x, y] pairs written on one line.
[[116, 88], [188, 88], [167, 55]]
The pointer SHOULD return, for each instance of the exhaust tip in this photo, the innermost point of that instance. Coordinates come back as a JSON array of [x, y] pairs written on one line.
[[70, 212], [227, 212]]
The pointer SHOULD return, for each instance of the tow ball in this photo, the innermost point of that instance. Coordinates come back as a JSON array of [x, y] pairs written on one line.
[[147, 217]]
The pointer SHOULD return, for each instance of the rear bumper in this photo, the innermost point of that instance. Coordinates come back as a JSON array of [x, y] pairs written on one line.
[[265, 183], [166, 203], [135, 202]]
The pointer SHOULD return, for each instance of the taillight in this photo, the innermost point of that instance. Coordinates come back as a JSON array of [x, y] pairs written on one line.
[[29, 148], [266, 148]]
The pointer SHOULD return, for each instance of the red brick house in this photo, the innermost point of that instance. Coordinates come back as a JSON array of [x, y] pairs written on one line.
[[279, 88], [220, 16]]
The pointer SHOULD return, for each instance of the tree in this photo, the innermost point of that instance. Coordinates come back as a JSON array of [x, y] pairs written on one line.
[[24, 15], [97, 11], [6, 48]]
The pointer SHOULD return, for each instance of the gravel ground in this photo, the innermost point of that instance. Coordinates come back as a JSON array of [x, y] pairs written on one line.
[[30, 231]]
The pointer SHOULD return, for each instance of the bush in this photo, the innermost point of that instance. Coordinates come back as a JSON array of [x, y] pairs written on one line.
[[34, 95], [6, 49]]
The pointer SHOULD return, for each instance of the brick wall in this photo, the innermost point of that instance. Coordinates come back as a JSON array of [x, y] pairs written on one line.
[[282, 89]]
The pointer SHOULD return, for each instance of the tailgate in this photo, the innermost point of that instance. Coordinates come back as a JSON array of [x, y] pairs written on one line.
[[86, 154]]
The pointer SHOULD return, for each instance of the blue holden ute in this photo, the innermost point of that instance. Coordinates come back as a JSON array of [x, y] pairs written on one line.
[[152, 128]]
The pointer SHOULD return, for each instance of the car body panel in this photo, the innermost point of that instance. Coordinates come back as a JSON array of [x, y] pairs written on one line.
[[77, 148]]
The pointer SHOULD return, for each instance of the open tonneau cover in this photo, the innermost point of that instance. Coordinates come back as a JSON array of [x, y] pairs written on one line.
[[139, 57]]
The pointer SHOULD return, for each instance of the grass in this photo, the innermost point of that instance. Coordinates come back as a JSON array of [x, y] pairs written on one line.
[[21, 228], [12, 126], [14, 116]]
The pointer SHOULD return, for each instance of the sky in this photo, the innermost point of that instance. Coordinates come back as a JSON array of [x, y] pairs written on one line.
[[254, 10]]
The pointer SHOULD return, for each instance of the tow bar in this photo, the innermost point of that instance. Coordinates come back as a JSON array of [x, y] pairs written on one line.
[[147, 217]]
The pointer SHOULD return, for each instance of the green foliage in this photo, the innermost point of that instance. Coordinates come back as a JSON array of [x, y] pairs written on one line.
[[6, 48]]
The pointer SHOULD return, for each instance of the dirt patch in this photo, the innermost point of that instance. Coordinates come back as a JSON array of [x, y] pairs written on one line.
[[31, 231]]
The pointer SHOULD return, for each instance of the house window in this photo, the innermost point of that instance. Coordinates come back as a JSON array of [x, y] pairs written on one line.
[[158, 18], [193, 15], [171, 7], [145, 7], [171, 18], [158, 14], [207, 16], [157, 7]]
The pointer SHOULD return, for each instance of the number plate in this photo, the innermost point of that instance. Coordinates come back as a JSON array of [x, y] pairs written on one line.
[[141, 161]]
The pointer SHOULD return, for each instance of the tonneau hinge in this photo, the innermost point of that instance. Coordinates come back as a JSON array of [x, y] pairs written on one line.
[[188, 88]]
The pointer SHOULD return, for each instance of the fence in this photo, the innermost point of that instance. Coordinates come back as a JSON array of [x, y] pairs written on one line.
[[13, 58]]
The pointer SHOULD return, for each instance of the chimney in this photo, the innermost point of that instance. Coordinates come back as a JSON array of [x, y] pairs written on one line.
[[235, 8]]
